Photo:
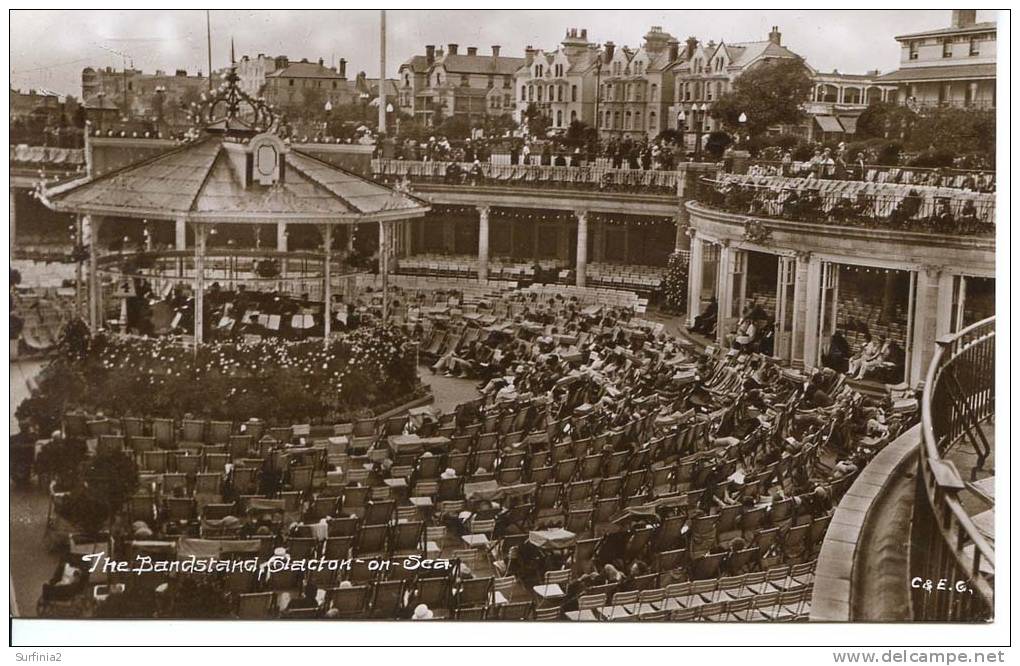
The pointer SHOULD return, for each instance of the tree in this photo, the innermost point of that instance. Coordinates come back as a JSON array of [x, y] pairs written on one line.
[[885, 120], [536, 121], [772, 93], [456, 127], [578, 134]]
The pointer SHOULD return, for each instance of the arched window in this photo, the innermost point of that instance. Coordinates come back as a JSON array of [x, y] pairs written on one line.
[[539, 89], [559, 93], [573, 93], [559, 119], [524, 93], [626, 120], [573, 116], [652, 124], [655, 93]]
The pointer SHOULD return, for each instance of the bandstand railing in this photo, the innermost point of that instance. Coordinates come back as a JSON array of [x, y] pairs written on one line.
[[959, 397]]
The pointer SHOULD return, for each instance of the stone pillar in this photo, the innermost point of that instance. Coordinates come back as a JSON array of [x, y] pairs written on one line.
[[281, 236], [78, 241], [800, 290], [598, 246], [812, 310], [483, 243], [695, 271], [327, 283], [198, 283], [582, 247], [95, 283], [931, 319], [180, 234], [449, 236], [724, 292], [682, 221]]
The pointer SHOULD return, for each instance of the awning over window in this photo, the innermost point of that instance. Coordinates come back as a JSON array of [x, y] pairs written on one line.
[[829, 124], [849, 124]]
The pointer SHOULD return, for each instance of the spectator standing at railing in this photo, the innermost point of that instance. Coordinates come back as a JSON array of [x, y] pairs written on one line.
[[859, 170], [526, 154]]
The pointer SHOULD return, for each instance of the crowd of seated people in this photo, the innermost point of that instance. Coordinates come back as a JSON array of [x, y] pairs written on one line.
[[603, 464]]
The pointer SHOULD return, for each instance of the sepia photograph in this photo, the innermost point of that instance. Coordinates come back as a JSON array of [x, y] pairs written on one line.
[[575, 316]]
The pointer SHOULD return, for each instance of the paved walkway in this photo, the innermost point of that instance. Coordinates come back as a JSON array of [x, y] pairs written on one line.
[[31, 563]]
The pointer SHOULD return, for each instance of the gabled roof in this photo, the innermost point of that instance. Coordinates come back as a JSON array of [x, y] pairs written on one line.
[[197, 180], [480, 64], [305, 70], [741, 54], [418, 63]]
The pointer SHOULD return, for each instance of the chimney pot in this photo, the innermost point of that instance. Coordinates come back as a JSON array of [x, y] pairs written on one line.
[[610, 50], [963, 18], [495, 50], [692, 46], [674, 51], [584, 33], [472, 50], [341, 68], [452, 49], [430, 54], [775, 36]]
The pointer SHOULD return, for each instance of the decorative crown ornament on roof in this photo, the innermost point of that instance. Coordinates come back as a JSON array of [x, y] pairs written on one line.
[[231, 110]]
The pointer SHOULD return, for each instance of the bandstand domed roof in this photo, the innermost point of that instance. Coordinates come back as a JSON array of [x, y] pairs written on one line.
[[236, 170]]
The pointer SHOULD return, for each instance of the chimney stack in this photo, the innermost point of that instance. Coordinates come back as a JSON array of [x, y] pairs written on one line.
[[674, 51], [775, 36], [430, 54], [451, 49], [692, 46], [610, 50], [320, 62], [584, 34], [529, 54], [472, 50], [495, 50], [964, 18], [341, 68]]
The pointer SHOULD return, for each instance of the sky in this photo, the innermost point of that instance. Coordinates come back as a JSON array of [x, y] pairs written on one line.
[[46, 54]]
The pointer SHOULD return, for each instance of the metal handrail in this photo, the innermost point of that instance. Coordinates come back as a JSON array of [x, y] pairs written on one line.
[[972, 404]]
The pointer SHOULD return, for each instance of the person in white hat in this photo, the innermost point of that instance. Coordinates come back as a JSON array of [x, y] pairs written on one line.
[[422, 612]]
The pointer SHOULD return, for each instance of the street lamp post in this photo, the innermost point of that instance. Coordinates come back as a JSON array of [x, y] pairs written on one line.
[[681, 126], [699, 121], [325, 123], [742, 120]]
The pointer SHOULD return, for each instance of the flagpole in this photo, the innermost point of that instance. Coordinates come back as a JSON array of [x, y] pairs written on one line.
[[382, 71], [208, 44]]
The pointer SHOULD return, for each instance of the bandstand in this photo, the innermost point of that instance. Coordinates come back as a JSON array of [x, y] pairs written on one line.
[[236, 171]]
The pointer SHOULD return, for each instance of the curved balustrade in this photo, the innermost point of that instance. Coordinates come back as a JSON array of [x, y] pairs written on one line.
[[595, 178], [976, 180], [959, 397], [852, 203]]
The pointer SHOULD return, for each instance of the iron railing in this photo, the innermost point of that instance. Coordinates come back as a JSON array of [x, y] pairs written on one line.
[[851, 204], [959, 398], [597, 178]]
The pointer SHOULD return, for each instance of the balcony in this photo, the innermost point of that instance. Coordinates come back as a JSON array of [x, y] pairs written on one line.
[[954, 536], [891, 207]]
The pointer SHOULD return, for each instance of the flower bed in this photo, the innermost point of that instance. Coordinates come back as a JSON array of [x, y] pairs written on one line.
[[366, 370]]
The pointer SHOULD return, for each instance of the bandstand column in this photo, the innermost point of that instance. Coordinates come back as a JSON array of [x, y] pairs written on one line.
[[931, 319], [95, 287], [483, 243], [695, 271], [582, 247], [384, 266], [199, 283], [78, 242], [180, 234], [327, 286]]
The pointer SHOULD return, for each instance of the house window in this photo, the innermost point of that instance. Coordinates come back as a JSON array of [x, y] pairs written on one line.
[[573, 117], [290, 82], [655, 93], [975, 47], [334, 85], [506, 82], [559, 93], [913, 50], [652, 121], [573, 93], [559, 119], [524, 94], [539, 94], [945, 93], [947, 48], [464, 80], [538, 70], [506, 100], [491, 83]]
